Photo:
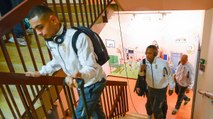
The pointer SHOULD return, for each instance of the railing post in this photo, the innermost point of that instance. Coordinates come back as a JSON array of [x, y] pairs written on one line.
[[71, 102], [1, 115], [81, 88]]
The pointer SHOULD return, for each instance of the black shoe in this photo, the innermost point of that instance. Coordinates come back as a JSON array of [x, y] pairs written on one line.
[[187, 101], [174, 111]]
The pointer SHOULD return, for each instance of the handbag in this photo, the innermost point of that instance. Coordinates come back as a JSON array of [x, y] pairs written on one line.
[[141, 83]]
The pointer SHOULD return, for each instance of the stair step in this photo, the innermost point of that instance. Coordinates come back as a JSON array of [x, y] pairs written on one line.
[[59, 9], [60, 16], [89, 14], [134, 116]]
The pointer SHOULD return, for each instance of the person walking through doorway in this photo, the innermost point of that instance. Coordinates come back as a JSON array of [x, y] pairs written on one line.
[[158, 76], [183, 78]]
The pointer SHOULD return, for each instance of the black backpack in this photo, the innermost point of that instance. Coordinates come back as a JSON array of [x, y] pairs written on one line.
[[99, 47]]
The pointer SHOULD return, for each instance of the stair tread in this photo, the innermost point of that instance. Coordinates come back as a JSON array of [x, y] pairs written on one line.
[[134, 116]]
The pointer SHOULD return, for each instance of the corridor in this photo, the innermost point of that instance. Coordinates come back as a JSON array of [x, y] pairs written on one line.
[[137, 104]]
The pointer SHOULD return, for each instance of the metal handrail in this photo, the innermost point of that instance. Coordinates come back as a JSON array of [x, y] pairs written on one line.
[[206, 94]]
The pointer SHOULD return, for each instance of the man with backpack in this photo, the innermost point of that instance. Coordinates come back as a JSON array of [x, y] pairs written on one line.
[[158, 75], [80, 63]]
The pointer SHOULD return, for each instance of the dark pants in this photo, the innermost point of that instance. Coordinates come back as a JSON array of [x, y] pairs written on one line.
[[92, 95], [157, 103], [18, 31], [6, 6], [180, 91]]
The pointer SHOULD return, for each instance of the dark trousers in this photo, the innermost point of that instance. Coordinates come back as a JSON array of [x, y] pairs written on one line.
[[157, 103], [180, 91], [5, 6], [92, 95], [18, 31]]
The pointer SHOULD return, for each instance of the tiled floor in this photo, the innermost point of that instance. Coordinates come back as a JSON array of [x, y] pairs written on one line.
[[137, 104]]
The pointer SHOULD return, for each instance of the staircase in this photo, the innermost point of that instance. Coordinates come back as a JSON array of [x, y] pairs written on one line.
[[44, 96]]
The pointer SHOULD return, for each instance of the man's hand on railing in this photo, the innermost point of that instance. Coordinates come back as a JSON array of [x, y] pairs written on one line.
[[70, 81], [75, 80], [77, 75], [33, 74]]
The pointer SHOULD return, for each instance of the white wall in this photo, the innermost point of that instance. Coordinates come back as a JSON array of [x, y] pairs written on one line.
[[166, 27]]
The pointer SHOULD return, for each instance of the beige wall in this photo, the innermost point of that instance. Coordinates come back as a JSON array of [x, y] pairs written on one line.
[[203, 107]]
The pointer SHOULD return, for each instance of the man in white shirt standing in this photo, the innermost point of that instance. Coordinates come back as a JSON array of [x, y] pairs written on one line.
[[81, 65], [158, 76], [183, 77]]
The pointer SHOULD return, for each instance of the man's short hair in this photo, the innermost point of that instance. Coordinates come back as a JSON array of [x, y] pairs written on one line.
[[39, 11], [154, 48]]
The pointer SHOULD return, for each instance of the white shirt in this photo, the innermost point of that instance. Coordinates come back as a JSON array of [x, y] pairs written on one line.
[[65, 57], [156, 76], [184, 74]]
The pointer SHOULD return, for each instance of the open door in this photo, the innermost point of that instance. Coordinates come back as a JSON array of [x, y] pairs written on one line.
[[203, 106]]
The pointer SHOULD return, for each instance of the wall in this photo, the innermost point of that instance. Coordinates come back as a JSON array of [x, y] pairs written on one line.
[[174, 31], [203, 107]]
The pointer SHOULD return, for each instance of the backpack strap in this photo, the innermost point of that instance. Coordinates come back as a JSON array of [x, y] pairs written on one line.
[[144, 62], [165, 71], [75, 37], [141, 83], [74, 40]]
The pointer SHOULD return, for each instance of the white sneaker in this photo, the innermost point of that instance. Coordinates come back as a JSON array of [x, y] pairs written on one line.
[[21, 41]]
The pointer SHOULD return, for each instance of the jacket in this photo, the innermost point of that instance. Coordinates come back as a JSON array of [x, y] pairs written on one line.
[[158, 74], [64, 57], [184, 74]]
